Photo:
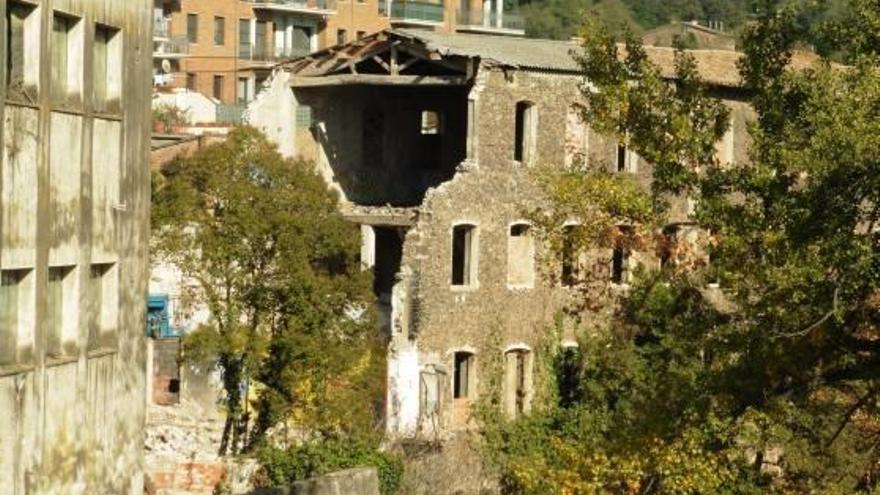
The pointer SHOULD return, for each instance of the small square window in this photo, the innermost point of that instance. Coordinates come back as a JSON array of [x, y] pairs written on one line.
[[431, 122]]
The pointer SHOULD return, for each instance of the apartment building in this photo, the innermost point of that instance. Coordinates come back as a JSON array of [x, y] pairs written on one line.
[[226, 48], [74, 232]]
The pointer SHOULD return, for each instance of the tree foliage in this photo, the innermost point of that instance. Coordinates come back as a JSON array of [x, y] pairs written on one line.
[[276, 266], [775, 390]]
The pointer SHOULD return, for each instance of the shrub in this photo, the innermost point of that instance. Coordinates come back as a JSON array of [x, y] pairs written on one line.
[[280, 467]]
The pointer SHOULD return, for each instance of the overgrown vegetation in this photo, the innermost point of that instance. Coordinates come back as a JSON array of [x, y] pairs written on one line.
[[772, 387], [291, 325], [280, 467]]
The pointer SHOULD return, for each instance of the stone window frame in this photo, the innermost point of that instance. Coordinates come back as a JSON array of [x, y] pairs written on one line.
[[473, 268], [509, 401], [525, 145], [472, 380], [572, 282], [531, 284]]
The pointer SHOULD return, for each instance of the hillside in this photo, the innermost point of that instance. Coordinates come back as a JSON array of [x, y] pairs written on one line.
[[559, 19]]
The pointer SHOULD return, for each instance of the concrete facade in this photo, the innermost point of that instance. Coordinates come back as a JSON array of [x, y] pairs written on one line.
[[442, 206], [74, 231]]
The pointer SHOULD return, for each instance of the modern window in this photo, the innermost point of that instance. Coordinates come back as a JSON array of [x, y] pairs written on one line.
[[302, 41], [12, 300], [106, 79], [517, 381], [22, 60], [244, 38], [103, 287], [261, 50], [192, 28], [217, 90], [66, 43], [462, 386], [520, 256], [341, 36], [219, 31], [242, 90], [464, 248], [526, 128]]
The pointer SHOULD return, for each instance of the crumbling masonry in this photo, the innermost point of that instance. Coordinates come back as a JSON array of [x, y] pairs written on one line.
[[430, 138]]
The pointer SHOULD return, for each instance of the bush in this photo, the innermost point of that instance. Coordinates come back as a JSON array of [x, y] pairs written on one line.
[[280, 467]]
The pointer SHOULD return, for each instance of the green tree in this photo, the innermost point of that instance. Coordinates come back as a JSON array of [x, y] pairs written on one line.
[[291, 321], [774, 387]]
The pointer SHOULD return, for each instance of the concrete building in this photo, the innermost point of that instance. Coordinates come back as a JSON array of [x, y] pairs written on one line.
[[429, 139], [74, 230]]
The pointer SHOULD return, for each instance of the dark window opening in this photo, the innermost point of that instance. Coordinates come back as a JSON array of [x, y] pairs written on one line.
[[174, 386], [191, 81], [519, 230], [524, 130], [463, 369], [389, 251], [341, 36], [518, 366], [667, 247], [569, 369], [218, 87], [463, 266], [621, 158]]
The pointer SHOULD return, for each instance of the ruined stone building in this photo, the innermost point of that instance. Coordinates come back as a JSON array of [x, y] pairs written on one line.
[[74, 227], [429, 139]]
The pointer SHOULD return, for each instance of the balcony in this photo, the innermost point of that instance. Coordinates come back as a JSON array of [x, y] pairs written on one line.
[[264, 58], [479, 21], [412, 12], [319, 7], [161, 29], [176, 47]]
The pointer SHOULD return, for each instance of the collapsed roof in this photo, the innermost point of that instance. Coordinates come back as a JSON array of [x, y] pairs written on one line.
[[427, 57]]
